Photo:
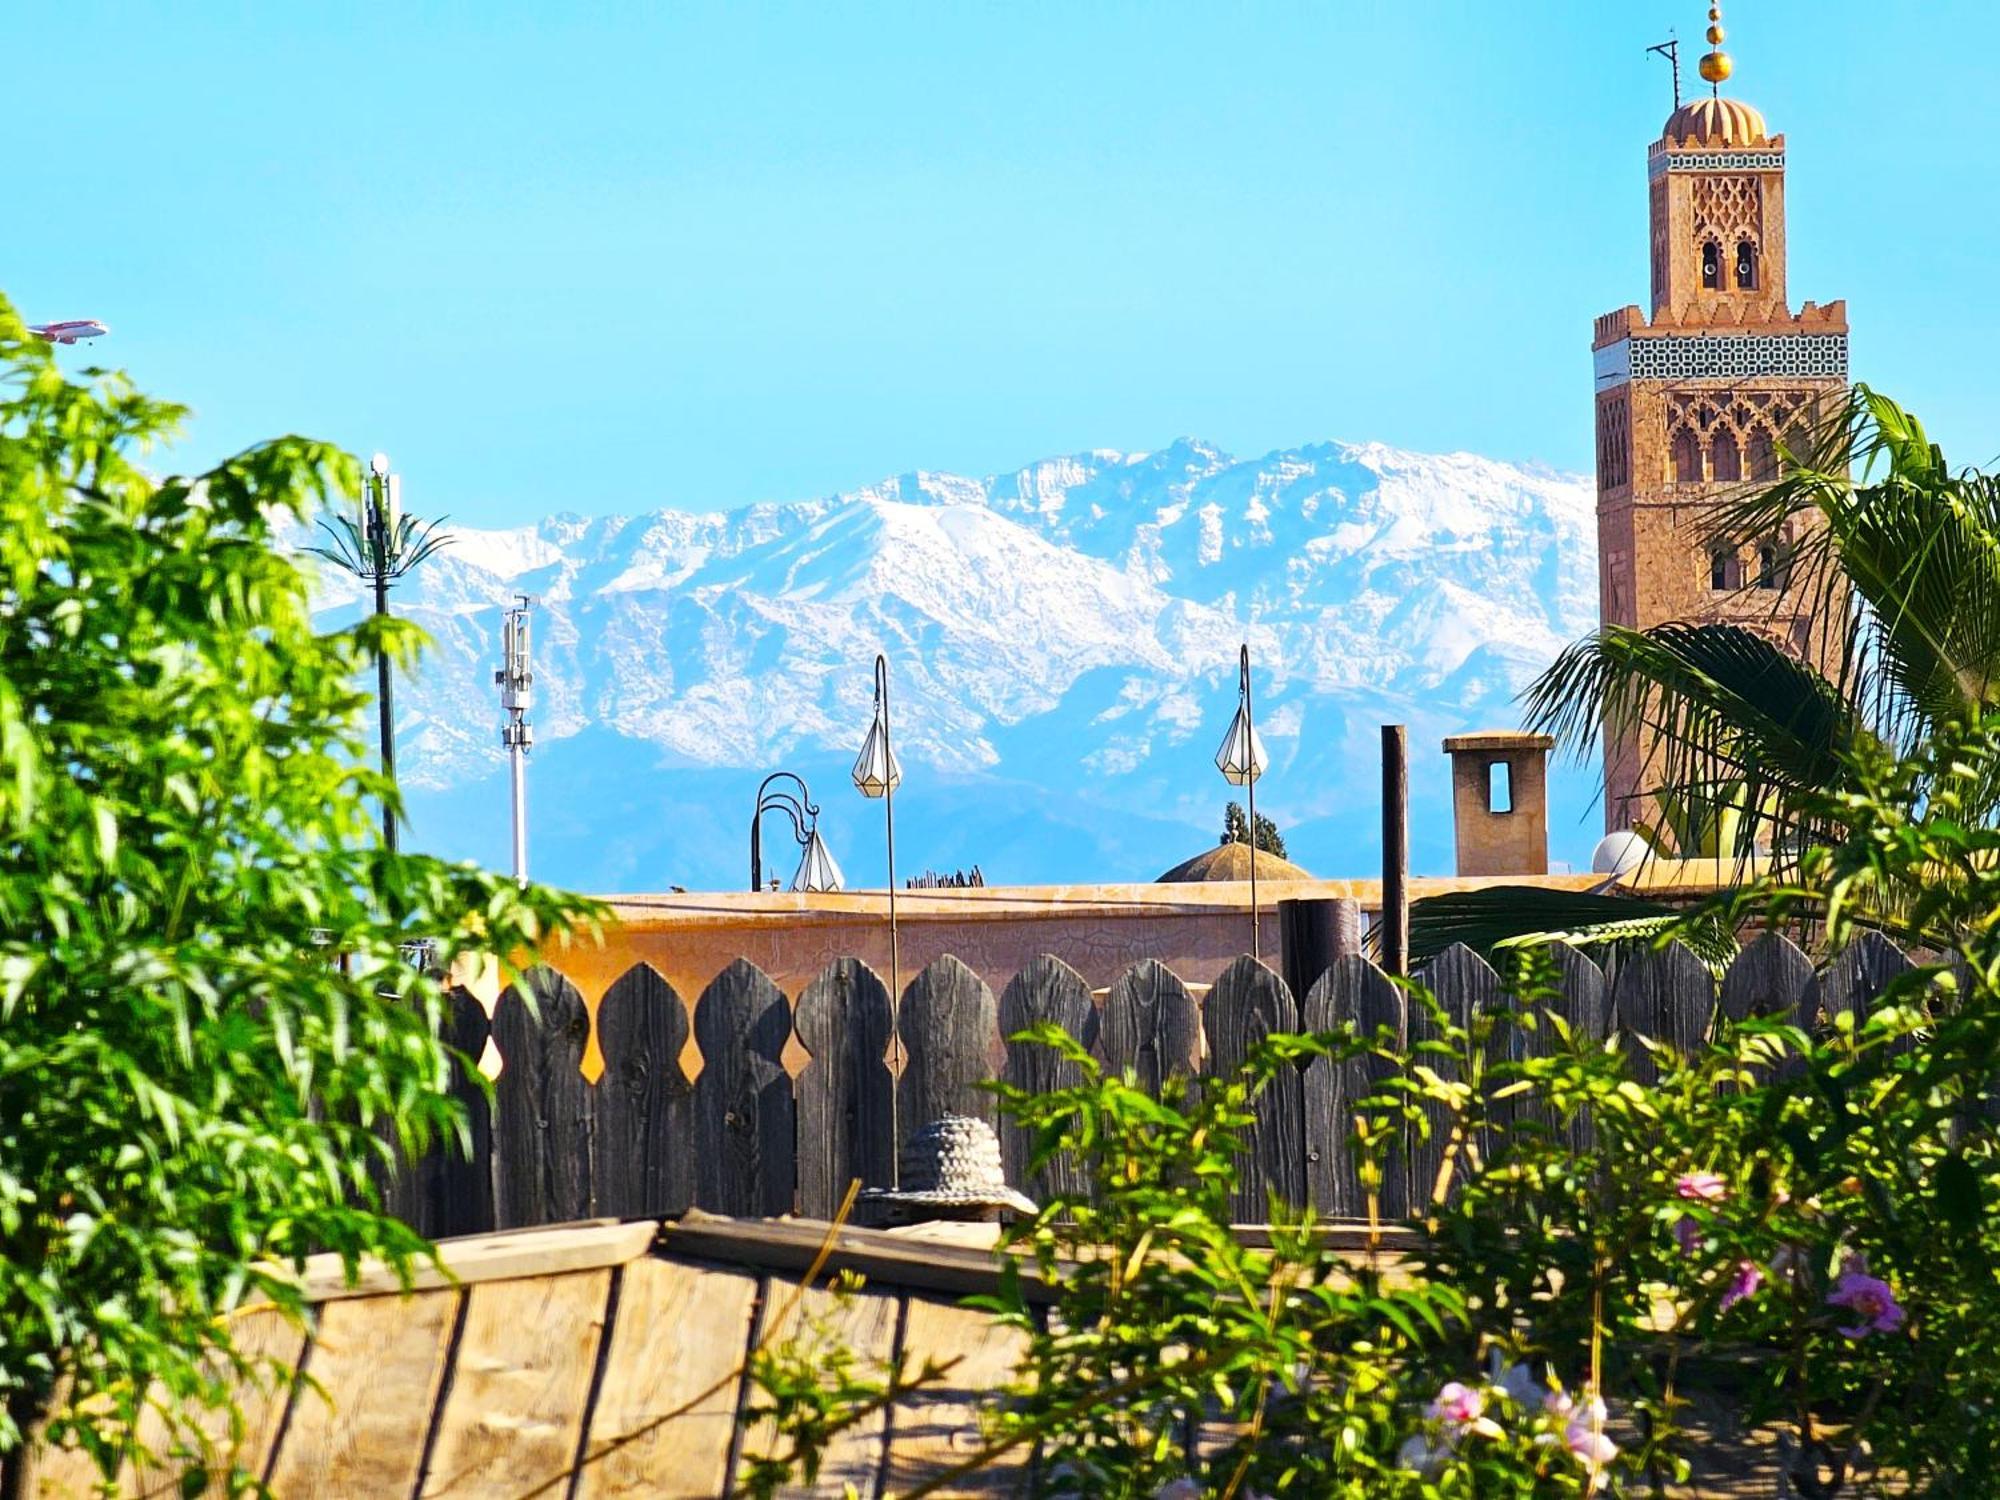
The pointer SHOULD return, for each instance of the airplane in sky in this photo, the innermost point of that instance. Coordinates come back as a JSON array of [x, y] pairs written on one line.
[[71, 331]]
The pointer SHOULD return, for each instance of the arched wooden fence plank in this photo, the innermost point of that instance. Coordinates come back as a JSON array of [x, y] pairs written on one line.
[[1668, 996], [1770, 977], [644, 1125], [1353, 992], [846, 1093], [1855, 979], [1464, 986], [745, 1145], [1247, 1004], [950, 1026], [459, 1188], [1583, 1000], [1151, 1025], [541, 1125], [1046, 990]]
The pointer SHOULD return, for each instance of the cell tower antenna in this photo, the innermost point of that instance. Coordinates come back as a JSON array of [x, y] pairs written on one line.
[[516, 678], [1670, 49]]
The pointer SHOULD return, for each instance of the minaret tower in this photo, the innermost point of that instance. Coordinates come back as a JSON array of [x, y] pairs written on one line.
[[1704, 396]]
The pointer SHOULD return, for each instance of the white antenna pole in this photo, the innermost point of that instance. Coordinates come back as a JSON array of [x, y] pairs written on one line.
[[517, 683]]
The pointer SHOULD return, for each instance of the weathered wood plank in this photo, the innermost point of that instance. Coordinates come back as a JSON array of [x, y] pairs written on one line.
[[1152, 1026], [950, 1026], [541, 1124], [1464, 985], [1046, 990], [666, 1409], [1247, 1004], [260, 1335], [1313, 933], [1353, 992], [495, 1257], [745, 1143], [864, 1323], [1668, 995], [937, 1427], [379, 1361], [846, 1093], [515, 1411], [642, 1131]]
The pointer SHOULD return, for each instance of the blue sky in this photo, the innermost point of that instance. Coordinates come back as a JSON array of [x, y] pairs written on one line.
[[602, 257]]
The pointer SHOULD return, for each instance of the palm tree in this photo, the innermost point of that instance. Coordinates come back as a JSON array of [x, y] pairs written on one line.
[[1898, 558]]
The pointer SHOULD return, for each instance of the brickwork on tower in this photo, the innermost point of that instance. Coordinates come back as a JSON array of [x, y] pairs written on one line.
[[1698, 399]]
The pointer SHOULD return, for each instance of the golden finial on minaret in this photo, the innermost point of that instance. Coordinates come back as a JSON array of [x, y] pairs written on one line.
[[1716, 65]]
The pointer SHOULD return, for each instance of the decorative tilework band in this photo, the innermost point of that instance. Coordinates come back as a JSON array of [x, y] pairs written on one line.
[[1724, 356], [1663, 162]]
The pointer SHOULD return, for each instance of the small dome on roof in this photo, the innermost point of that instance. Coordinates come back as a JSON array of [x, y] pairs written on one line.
[[1232, 862], [1619, 853], [1715, 122]]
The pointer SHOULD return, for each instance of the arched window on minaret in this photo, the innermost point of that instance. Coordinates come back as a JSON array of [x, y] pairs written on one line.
[[1746, 266], [1722, 569], [1711, 266], [1763, 455], [1687, 457], [1725, 459], [1769, 567]]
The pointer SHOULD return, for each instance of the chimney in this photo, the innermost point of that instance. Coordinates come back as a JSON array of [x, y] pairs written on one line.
[[1500, 802]]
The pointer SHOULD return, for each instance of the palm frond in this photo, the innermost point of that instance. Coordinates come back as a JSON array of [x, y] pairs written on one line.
[[1497, 917], [1743, 727]]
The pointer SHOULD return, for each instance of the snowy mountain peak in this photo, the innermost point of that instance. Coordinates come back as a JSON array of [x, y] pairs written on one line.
[[1061, 637]]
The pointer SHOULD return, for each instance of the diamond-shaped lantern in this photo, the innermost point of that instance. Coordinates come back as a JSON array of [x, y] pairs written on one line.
[[1241, 758], [877, 772], [817, 870]]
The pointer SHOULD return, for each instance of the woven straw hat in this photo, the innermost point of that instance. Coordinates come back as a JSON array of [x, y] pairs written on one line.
[[955, 1161]]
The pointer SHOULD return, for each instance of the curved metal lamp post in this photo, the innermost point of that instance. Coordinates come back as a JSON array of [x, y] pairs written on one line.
[[1241, 760], [378, 545], [817, 870], [877, 773]]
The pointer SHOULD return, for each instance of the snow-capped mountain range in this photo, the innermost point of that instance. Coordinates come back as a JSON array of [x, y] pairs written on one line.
[[1062, 647]]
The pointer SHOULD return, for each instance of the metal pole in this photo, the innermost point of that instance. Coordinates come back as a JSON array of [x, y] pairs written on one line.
[[1395, 945], [1250, 784], [520, 760], [378, 540], [756, 847]]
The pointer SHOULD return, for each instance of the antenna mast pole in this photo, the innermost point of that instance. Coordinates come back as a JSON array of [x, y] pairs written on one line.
[[517, 682], [1670, 49]]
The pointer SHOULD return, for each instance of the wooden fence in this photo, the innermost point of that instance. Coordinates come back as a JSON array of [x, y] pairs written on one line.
[[745, 1137]]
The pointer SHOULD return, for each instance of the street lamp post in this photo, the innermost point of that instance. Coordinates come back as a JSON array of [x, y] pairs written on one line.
[[1241, 760], [817, 870], [378, 545], [877, 773]]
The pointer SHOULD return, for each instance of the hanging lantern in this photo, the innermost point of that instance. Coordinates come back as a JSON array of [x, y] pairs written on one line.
[[1241, 759], [877, 772], [817, 870]]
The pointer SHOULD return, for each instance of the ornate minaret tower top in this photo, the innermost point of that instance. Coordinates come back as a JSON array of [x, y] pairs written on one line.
[[1705, 394]]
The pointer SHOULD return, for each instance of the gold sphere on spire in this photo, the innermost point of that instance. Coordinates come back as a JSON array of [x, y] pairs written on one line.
[[1716, 66], [1715, 36]]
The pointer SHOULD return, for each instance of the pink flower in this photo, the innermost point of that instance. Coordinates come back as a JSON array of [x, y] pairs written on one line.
[[1745, 1283], [1869, 1298], [1589, 1446], [1456, 1405], [1584, 1436], [1687, 1234], [1701, 1187]]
